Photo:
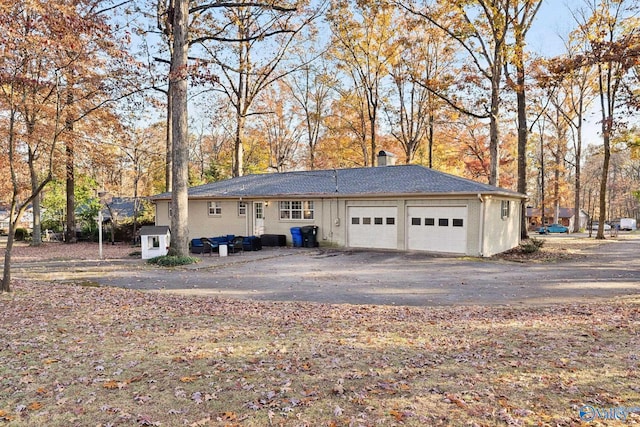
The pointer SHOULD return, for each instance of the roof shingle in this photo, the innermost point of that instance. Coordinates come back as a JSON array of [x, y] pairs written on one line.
[[401, 179]]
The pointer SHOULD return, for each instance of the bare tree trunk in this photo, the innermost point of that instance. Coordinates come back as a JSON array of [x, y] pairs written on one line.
[[70, 233], [603, 179], [36, 238], [578, 182], [238, 158], [372, 122], [430, 137], [180, 161], [523, 133], [494, 137], [169, 156], [6, 272]]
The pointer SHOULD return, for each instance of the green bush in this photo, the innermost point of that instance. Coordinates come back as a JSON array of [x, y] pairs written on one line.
[[172, 260], [532, 245]]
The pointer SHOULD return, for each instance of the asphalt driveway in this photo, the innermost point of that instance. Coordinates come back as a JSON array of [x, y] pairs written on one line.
[[611, 270]]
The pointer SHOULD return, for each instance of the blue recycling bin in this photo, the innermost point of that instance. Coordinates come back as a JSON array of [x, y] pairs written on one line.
[[296, 236]]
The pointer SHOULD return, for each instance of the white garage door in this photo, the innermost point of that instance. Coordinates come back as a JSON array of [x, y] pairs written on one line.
[[373, 227], [437, 229]]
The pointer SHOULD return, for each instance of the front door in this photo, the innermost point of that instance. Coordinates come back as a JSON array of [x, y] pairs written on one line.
[[258, 216]]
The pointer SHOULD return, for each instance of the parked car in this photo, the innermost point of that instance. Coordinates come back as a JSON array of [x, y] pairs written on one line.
[[594, 226], [553, 228]]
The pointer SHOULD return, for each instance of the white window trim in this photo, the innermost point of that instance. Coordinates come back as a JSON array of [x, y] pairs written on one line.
[[242, 209], [217, 209], [505, 209], [307, 208]]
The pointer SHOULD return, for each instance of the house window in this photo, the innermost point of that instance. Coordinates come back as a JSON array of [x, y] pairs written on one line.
[[443, 222], [391, 221], [377, 221], [355, 220], [458, 222], [214, 208], [242, 208], [416, 221], [154, 242], [298, 209], [366, 221], [429, 221], [505, 208]]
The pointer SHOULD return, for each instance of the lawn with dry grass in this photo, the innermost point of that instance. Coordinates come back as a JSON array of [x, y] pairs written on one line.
[[86, 356]]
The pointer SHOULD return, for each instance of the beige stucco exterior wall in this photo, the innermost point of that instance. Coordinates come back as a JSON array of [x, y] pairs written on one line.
[[487, 232], [500, 234]]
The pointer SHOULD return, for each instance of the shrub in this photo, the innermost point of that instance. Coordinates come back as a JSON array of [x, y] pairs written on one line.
[[172, 260], [532, 245]]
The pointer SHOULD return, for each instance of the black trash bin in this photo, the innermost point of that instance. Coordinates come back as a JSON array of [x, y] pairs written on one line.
[[309, 236]]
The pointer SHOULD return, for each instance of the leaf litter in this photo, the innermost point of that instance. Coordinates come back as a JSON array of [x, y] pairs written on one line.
[[74, 355]]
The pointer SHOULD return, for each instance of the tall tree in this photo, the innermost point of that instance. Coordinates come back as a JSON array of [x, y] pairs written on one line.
[[178, 84], [481, 28], [575, 87], [612, 31], [54, 75], [311, 87], [522, 14], [412, 109], [365, 45], [235, 43], [282, 126], [348, 130]]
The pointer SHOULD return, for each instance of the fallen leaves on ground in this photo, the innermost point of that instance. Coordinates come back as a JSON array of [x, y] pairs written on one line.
[[23, 252], [73, 355], [554, 249]]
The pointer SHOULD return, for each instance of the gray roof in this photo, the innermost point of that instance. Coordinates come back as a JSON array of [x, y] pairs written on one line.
[[401, 179], [154, 230], [123, 207], [549, 211]]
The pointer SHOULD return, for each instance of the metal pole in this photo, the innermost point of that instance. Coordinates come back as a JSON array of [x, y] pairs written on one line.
[[100, 229]]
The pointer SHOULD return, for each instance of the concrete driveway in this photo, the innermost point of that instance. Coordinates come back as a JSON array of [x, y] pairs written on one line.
[[611, 270]]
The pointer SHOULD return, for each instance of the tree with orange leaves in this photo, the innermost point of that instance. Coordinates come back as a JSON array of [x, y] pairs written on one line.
[[54, 75]]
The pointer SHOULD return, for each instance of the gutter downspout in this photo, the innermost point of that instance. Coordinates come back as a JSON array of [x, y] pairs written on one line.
[[248, 214], [481, 228]]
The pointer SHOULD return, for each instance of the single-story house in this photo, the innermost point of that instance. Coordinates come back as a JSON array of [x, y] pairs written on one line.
[[405, 207], [120, 207], [26, 221], [566, 217]]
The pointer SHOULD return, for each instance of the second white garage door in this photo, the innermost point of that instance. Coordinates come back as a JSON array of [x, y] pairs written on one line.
[[373, 227], [437, 229]]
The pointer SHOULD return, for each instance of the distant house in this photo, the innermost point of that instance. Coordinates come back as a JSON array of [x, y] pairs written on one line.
[[566, 217], [26, 221], [120, 208], [407, 207]]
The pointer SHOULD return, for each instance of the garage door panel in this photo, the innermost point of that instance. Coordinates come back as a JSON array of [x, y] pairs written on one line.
[[437, 229], [373, 227]]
